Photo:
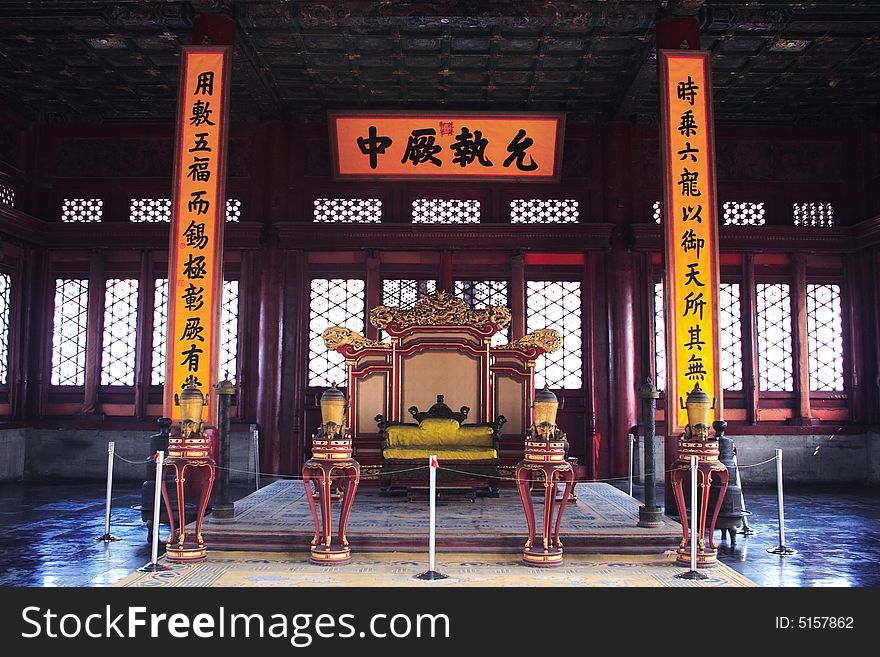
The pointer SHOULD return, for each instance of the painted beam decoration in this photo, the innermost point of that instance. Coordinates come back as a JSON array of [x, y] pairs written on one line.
[[195, 270], [690, 230], [446, 146]]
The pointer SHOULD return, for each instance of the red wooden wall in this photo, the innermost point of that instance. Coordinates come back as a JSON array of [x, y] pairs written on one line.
[[278, 169]]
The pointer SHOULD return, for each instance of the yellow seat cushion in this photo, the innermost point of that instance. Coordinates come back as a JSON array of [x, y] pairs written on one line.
[[459, 454], [438, 433]]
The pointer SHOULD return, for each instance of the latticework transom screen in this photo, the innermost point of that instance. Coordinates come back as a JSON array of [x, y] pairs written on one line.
[[150, 210], [334, 302], [482, 294], [228, 356], [538, 211], [825, 337], [233, 210], [5, 307], [69, 329], [404, 292], [743, 213], [773, 309], [445, 211], [557, 305], [82, 210], [730, 336], [659, 338], [348, 210], [813, 215], [120, 332], [160, 335], [7, 195]]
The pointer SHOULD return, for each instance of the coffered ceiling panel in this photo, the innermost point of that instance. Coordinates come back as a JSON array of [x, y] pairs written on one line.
[[815, 63]]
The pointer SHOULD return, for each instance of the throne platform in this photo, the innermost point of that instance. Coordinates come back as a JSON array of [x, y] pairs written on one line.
[[277, 518]]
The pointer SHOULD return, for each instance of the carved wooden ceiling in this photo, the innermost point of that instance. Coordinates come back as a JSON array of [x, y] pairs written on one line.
[[804, 63]]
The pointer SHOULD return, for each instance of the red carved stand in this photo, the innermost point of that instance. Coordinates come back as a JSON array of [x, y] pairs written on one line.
[[707, 464], [190, 452], [331, 467], [545, 459]]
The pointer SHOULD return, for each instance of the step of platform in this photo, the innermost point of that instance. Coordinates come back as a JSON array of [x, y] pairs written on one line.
[[278, 518]]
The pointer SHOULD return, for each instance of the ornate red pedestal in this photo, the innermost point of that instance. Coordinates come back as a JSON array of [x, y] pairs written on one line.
[[331, 468], [698, 443], [188, 455], [544, 462]]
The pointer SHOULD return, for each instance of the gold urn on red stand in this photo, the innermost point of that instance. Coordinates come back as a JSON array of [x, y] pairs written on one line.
[[331, 474], [697, 441], [189, 453], [544, 462]]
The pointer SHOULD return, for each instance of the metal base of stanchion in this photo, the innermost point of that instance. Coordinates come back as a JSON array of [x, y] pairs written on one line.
[[782, 551], [650, 516], [692, 574], [747, 531], [108, 538], [431, 575], [223, 511], [153, 568]]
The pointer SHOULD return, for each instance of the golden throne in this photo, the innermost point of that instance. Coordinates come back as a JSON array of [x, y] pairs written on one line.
[[440, 352]]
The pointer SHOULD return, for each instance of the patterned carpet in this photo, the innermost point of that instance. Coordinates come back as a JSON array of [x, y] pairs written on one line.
[[277, 517], [274, 569]]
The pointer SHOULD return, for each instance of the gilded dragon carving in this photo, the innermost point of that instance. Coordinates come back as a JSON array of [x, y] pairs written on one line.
[[339, 336], [549, 340], [440, 309]]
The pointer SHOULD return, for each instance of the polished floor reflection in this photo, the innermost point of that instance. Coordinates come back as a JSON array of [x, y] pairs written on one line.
[[47, 534]]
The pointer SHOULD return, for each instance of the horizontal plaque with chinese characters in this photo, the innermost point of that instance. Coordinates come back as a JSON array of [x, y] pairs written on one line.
[[453, 146], [691, 233], [198, 214]]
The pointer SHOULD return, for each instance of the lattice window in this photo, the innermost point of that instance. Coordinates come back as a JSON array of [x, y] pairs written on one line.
[[658, 211], [775, 369], [557, 305], [334, 302], [348, 210], [5, 306], [825, 337], [741, 213], [150, 210], [7, 195], [229, 332], [482, 294], [659, 338], [537, 211], [813, 215], [82, 210], [404, 292], [160, 335], [233, 210], [443, 211], [69, 332], [120, 332], [730, 336]]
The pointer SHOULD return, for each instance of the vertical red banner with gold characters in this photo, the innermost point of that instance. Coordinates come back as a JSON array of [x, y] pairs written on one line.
[[195, 269], [690, 230]]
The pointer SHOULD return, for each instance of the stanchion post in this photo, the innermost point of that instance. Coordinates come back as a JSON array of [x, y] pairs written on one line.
[[694, 530], [255, 443], [431, 573], [108, 537], [782, 550], [154, 564], [631, 441]]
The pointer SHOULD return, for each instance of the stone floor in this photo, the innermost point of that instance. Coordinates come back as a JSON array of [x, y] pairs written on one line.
[[47, 534]]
